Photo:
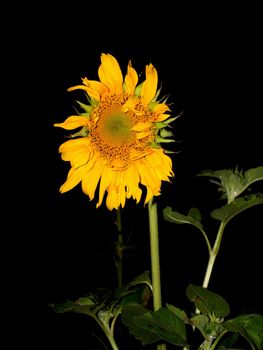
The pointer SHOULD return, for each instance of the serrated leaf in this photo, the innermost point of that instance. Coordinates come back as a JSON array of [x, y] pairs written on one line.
[[150, 327], [178, 312], [177, 218], [228, 211], [173, 323], [234, 182], [165, 324], [209, 303], [250, 327], [128, 315]]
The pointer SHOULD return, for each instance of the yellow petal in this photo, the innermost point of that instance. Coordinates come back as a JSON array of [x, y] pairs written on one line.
[[161, 117], [143, 134], [161, 163], [91, 179], [148, 177], [77, 157], [73, 122], [73, 179], [91, 92], [149, 86], [96, 88], [159, 112], [142, 126], [130, 104], [131, 79], [149, 195], [70, 145], [161, 108], [120, 187], [132, 179], [108, 177], [112, 200], [110, 73]]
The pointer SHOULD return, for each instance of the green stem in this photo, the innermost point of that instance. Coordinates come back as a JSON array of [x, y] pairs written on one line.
[[155, 259], [108, 332], [111, 340], [213, 347], [213, 254]]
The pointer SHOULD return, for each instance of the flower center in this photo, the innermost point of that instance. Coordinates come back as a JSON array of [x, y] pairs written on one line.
[[112, 135], [115, 128]]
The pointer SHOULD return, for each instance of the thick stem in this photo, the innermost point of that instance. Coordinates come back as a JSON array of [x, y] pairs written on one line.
[[155, 259]]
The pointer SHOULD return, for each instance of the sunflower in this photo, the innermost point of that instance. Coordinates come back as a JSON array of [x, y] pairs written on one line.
[[120, 128]]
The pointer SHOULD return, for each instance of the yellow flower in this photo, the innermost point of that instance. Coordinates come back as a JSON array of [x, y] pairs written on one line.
[[117, 145]]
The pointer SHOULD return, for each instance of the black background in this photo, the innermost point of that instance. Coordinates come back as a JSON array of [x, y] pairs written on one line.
[[209, 63]]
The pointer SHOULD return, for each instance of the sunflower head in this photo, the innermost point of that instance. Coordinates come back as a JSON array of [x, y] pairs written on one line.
[[120, 129]]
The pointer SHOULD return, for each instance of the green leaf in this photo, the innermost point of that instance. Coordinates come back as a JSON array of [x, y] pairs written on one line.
[[128, 315], [200, 322], [195, 214], [250, 327], [166, 133], [234, 182], [165, 123], [159, 139], [253, 175], [83, 132], [228, 211], [88, 301], [86, 108], [138, 290], [63, 307], [170, 323], [178, 312], [209, 303], [141, 294], [143, 278], [229, 341], [150, 327], [165, 324], [177, 218]]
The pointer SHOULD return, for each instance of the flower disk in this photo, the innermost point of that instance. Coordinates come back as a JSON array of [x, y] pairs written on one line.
[[117, 147]]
